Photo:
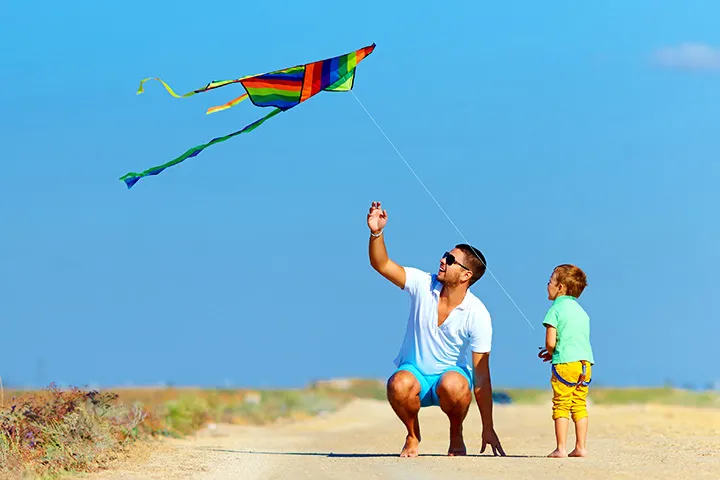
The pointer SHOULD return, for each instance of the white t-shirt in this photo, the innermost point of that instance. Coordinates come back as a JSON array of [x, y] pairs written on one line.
[[433, 349]]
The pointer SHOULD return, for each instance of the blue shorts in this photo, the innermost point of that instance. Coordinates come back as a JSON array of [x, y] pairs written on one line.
[[429, 383]]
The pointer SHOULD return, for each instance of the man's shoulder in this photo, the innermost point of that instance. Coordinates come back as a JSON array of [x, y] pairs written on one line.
[[477, 306], [478, 324], [416, 277], [418, 273]]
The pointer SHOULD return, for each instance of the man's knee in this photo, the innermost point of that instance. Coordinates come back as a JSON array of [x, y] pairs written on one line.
[[453, 387], [402, 384]]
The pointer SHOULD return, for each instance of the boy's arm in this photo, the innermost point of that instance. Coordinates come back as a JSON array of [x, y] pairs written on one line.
[[483, 397], [550, 338], [550, 322]]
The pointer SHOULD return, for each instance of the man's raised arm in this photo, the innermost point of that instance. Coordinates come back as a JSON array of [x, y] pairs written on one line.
[[376, 220]]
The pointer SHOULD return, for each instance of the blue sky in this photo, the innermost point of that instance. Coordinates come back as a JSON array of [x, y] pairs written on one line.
[[549, 133]]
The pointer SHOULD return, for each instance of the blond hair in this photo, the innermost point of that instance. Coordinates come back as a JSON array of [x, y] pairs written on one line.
[[572, 277]]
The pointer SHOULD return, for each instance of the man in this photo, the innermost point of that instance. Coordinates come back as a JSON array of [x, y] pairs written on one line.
[[445, 355]]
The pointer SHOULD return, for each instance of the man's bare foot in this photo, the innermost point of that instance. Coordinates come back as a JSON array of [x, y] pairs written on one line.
[[558, 454], [457, 447], [410, 449], [578, 452]]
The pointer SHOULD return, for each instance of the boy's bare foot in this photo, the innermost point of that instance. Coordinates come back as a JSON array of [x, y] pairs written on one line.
[[410, 449], [578, 452], [457, 447], [558, 454]]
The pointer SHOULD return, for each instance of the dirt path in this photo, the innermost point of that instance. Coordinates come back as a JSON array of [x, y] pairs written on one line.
[[362, 442]]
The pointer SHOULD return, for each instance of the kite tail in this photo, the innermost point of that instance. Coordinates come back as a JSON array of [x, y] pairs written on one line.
[[210, 86], [132, 178], [227, 105]]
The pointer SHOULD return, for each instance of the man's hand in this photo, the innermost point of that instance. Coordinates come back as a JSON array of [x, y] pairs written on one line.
[[544, 354], [483, 397], [377, 218], [489, 437]]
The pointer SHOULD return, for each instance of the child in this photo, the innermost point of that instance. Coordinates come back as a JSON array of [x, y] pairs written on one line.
[[567, 345]]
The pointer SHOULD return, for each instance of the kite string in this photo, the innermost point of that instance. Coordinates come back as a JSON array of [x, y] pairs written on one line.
[[439, 206]]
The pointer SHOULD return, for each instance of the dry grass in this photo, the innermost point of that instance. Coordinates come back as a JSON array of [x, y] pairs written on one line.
[[54, 431], [47, 433]]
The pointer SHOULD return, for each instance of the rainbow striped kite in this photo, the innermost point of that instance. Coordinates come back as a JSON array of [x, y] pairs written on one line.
[[282, 89]]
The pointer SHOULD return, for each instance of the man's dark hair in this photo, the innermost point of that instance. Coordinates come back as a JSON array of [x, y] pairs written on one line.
[[475, 261]]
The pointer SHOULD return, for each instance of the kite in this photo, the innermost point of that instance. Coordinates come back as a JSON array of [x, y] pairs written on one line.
[[282, 89]]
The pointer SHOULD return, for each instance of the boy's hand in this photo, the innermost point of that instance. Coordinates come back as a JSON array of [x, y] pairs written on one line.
[[544, 354]]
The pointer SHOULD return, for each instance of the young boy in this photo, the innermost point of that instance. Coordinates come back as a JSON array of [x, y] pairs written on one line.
[[567, 345]]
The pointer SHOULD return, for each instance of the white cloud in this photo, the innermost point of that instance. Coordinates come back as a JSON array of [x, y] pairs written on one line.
[[689, 56]]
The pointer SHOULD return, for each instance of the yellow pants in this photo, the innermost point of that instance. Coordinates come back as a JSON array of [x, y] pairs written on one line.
[[570, 400]]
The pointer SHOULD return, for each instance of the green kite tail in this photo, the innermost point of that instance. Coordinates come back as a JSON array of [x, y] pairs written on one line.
[[132, 178]]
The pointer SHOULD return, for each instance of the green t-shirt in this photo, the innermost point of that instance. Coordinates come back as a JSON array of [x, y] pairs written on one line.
[[573, 331]]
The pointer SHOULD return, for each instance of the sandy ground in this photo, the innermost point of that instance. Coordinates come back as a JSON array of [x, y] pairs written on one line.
[[363, 440]]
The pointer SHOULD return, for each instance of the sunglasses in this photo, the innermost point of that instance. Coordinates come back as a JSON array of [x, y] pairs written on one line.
[[450, 259]]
